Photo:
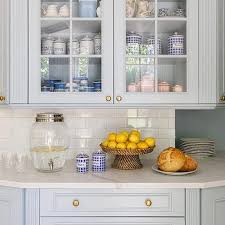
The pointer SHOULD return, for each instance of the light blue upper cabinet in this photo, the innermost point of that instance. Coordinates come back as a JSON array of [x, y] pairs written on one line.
[[71, 51], [11, 206], [156, 52], [4, 53], [213, 206], [167, 52]]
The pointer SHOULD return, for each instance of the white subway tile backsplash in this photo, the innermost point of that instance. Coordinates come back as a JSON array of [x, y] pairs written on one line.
[[158, 123], [88, 127], [137, 122]]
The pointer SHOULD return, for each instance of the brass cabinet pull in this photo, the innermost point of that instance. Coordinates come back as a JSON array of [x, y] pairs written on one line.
[[108, 98], [2, 98], [76, 203], [119, 98], [148, 203], [222, 98]]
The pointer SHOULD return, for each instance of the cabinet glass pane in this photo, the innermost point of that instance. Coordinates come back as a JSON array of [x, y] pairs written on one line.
[[172, 8], [71, 46], [140, 74], [55, 74], [55, 8], [86, 75], [86, 8], [140, 8], [156, 47], [172, 75]]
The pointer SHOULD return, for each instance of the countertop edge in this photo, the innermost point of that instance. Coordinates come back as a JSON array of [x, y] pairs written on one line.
[[13, 184]]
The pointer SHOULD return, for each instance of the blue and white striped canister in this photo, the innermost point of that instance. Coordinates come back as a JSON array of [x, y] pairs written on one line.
[[98, 162], [82, 163]]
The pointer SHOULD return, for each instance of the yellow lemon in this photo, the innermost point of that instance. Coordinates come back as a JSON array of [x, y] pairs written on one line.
[[112, 144], [135, 132], [121, 146], [142, 145], [134, 138], [112, 137], [105, 143], [131, 146], [124, 132], [150, 142], [121, 138]]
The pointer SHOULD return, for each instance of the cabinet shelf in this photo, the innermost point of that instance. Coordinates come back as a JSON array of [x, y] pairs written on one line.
[[172, 19], [140, 19], [86, 19], [86, 56], [55, 18], [55, 56], [158, 56]]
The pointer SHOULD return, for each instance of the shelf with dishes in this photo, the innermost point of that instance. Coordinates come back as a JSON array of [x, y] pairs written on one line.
[[74, 8], [155, 8], [148, 75], [70, 75]]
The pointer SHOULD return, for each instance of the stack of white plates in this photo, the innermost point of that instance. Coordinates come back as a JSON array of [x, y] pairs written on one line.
[[198, 147]]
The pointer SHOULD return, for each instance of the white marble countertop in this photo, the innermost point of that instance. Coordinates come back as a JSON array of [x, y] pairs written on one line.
[[211, 174]]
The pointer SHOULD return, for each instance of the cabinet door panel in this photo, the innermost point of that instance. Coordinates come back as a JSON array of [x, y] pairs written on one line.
[[213, 206], [111, 221], [111, 202], [11, 206], [71, 52], [4, 50], [150, 73]]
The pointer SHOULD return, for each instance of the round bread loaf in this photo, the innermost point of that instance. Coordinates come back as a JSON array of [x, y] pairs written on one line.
[[171, 160], [190, 165]]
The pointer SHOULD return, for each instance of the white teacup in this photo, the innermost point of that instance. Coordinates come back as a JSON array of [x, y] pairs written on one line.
[[64, 11], [51, 11]]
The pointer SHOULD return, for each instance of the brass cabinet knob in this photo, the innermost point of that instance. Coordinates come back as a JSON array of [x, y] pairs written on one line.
[[2, 98], [76, 203], [108, 98], [119, 98], [148, 202], [222, 98]]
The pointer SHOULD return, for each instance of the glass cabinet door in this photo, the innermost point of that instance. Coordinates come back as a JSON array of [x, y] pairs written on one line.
[[156, 51], [71, 51]]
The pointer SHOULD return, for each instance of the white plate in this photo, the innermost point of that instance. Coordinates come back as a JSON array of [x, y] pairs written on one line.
[[155, 168]]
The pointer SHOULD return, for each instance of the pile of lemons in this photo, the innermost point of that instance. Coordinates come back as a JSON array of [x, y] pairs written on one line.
[[128, 140]]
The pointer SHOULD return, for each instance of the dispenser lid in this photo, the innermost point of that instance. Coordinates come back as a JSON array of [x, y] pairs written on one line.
[[49, 117]]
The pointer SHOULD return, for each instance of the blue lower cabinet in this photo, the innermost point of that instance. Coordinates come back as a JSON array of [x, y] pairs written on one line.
[[11, 206], [110, 221]]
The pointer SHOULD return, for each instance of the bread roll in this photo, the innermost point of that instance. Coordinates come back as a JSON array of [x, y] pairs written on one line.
[[190, 165], [171, 160]]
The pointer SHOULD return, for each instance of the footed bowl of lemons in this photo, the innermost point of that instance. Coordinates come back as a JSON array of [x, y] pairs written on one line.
[[127, 146]]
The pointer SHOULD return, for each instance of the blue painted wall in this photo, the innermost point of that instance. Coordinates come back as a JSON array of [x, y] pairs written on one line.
[[202, 123]]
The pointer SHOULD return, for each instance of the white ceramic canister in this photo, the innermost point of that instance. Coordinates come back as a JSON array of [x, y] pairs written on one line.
[[86, 46], [98, 44], [75, 47], [59, 47], [47, 46]]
